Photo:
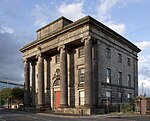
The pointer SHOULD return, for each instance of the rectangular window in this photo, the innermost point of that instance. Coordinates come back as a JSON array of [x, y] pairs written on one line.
[[128, 61], [57, 58], [81, 52], [81, 97], [119, 78], [129, 96], [119, 58], [81, 75], [108, 53], [108, 78], [120, 96], [129, 80], [109, 96]]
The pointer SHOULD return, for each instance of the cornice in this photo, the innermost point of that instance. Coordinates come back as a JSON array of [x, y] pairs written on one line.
[[80, 22]]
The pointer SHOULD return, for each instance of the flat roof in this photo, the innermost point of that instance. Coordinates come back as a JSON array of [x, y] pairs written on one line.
[[80, 22]]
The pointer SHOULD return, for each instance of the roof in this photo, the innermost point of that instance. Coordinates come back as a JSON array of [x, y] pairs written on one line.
[[77, 23]]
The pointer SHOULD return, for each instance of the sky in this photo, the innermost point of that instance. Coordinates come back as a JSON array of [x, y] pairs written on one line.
[[19, 20]]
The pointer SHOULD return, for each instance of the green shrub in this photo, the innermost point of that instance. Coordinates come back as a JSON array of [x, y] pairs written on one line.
[[128, 107]]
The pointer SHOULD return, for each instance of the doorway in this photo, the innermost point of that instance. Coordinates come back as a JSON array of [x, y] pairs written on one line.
[[57, 99]]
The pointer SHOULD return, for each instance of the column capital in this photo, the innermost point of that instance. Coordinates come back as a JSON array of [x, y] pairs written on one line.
[[86, 38], [33, 63], [24, 60], [61, 47], [48, 58], [40, 55]]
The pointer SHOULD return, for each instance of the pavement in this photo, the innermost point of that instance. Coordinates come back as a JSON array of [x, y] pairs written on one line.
[[11, 115]]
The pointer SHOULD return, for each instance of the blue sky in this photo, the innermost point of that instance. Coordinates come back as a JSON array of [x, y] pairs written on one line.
[[19, 19]]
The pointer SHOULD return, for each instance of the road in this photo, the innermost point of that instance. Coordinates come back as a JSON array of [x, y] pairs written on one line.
[[24, 116]]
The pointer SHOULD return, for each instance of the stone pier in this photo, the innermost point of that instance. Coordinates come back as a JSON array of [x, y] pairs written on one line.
[[41, 94], [63, 77]]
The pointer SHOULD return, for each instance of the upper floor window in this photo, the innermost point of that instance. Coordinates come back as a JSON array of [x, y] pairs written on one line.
[[119, 58], [108, 53], [57, 58], [119, 78], [129, 80], [128, 61], [81, 52], [81, 75], [108, 76]]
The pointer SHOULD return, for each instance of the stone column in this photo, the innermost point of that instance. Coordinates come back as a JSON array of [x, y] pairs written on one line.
[[41, 95], [71, 81], [63, 77], [135, 67], [33, 83], [88, 71], [48, 85], [26, 83], [95, 72]]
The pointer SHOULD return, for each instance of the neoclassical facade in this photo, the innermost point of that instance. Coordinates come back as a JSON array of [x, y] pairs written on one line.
[[81, 65]]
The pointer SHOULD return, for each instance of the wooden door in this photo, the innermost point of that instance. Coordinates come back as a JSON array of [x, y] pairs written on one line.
[[57, 99]]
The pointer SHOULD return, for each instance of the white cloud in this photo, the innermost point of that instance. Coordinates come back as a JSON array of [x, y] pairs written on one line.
[[145, 84], [104, 15], [144, 64], [104, 7], [126, 2], [41, 13], [75, 11], [118, 27], [143, 45], [5, 29], [72, 11]]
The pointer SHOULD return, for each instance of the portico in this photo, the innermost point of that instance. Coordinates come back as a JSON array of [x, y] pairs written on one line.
[[44, 90]]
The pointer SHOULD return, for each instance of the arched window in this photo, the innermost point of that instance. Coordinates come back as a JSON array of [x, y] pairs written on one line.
[[57, 83]]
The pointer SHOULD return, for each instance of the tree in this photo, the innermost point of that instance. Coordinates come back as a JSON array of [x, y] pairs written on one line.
[[5, 96], [9, 96], [17, 95]]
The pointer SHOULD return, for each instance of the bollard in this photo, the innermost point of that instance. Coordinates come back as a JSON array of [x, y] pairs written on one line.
[[81, 112]]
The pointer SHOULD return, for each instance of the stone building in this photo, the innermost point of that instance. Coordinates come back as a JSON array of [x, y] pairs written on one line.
[[79, 65]]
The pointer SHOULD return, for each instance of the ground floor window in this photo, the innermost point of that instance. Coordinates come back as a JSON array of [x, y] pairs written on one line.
[[81, 97], [120, 97], [109, 96], [129, 96]]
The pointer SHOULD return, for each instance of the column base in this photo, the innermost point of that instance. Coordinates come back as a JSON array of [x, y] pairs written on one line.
[[41, 107], [63, 106], [48, 107], [87, 106], [26, 105]]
